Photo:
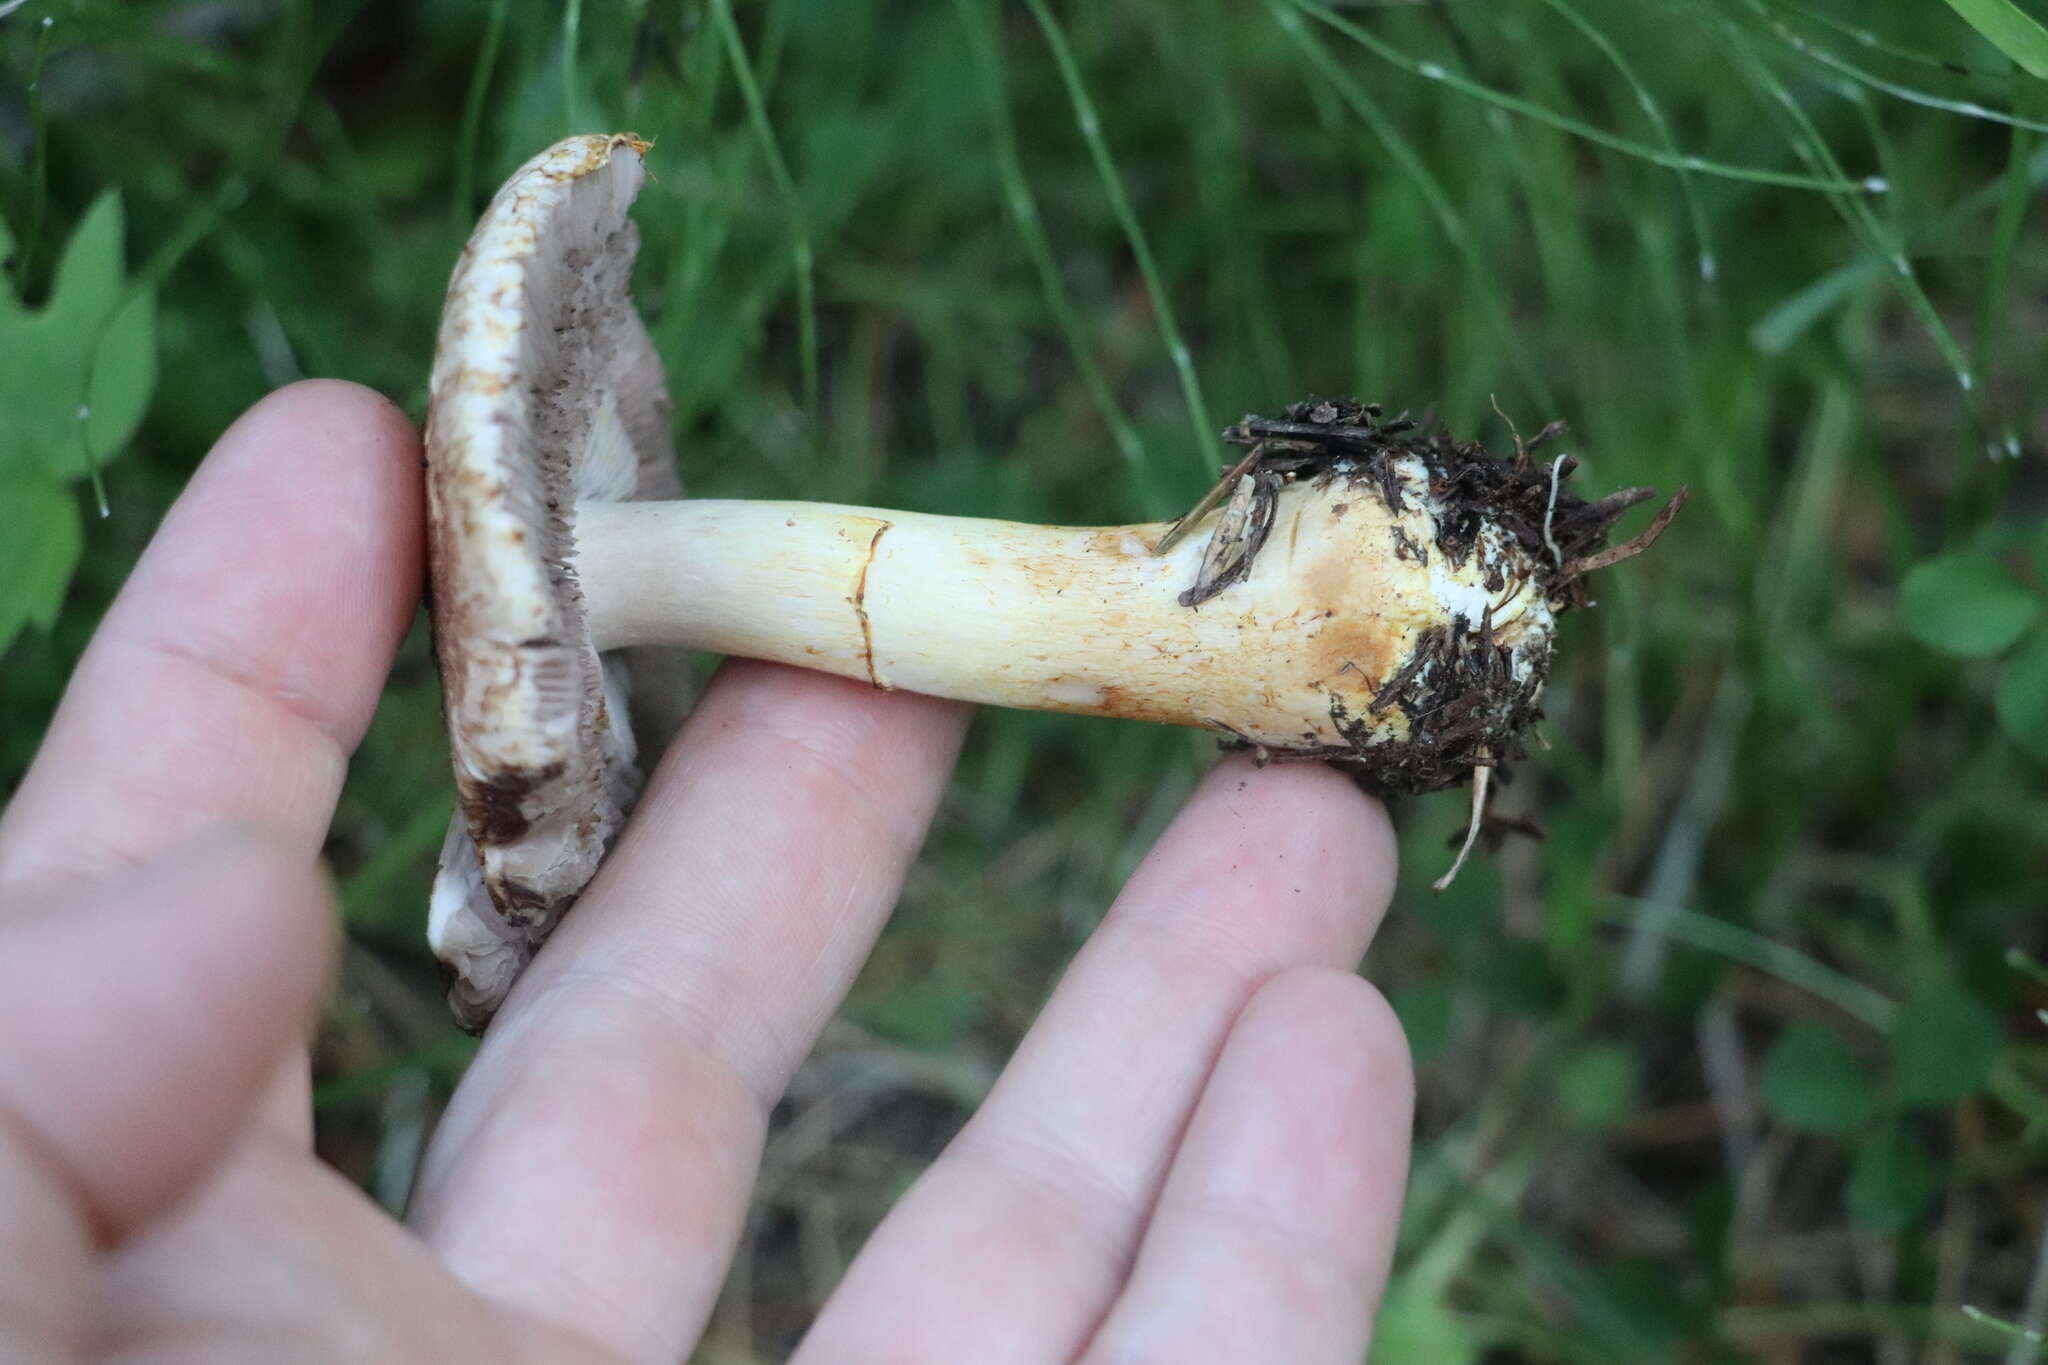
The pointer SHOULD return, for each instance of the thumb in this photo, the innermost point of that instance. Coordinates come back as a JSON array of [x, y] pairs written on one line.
[[141, 1023]]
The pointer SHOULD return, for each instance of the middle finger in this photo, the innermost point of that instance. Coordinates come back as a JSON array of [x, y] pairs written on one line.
[[1014, 1243], [595, 1165]]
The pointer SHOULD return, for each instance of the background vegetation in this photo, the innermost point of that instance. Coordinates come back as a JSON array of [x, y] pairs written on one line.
[[1742, 1062]]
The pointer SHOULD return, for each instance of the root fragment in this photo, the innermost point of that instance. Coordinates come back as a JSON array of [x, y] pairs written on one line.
[[1481, 778], [1550, 512], [1207, 501], [1633, 546]]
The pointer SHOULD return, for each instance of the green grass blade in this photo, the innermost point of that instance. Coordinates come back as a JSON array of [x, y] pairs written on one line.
[[462, 197], [1781, 326], [366, 888], [2016, 190], [2011, 30], [1090, 124], [572, 34], [1877, 42], [1775, 332], [1654, 111], [793, 208], [1767, 955], [1411, 162], [1030, 225], [2006, 1331], [1246, 337], [1842, 66], [39, 162], [1878, 236], [1514, 104]]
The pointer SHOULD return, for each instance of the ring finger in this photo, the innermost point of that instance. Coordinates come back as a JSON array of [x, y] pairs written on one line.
[[1032, 1216]]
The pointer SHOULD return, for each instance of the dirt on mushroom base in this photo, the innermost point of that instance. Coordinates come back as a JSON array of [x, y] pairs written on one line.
[[1468, 699]]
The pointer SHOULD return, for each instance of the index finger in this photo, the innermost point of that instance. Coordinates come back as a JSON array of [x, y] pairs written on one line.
[[241, 662]]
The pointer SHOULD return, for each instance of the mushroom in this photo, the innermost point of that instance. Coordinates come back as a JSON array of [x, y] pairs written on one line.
[[1355, 589]]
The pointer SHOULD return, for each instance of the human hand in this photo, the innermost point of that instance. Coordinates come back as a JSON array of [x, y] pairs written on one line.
[[1198, 1152]]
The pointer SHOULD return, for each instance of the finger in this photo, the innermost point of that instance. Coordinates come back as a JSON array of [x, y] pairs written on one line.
[[1032, 1215], [595, 1165], [144, 1023], [242, 660], [47, 1241], [278, 1258], [1275, 1229]]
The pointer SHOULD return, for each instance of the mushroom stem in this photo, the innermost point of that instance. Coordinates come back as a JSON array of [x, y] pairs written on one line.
[[1354, 589], [1051, 618]]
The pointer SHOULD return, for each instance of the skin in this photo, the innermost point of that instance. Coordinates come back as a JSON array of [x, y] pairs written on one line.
[[1197, 1152]]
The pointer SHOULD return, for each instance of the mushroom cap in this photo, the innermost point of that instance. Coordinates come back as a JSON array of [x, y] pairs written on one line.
[[546, 392]]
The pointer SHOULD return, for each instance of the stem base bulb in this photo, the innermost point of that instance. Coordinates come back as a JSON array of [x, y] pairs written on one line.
[[1501, 543]]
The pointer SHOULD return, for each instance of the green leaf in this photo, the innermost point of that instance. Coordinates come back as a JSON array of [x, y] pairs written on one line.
[[1777, 331], [1890, 1181], [2011, 30], [1966, 604], [1597, 1084], [37, 554], [123, 377], [1813, 1081], [79, 371], [89, 273], [2023, 696], [1944, 1044]]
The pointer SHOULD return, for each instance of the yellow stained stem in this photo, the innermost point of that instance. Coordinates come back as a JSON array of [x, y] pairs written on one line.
[[1050, 617]]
